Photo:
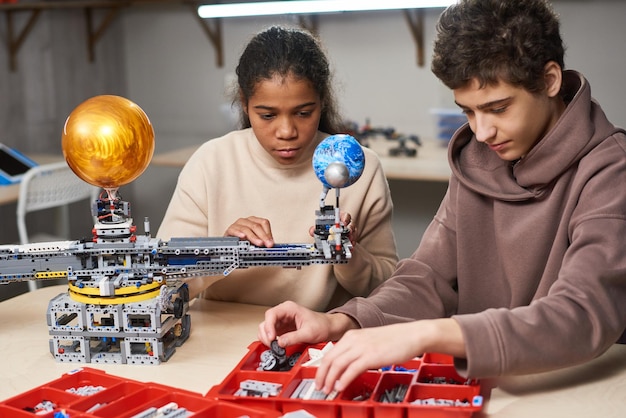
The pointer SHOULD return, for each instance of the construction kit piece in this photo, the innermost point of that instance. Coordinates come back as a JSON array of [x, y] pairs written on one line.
[[127, 302]]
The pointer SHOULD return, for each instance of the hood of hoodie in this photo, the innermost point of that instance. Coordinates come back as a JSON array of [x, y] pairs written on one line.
[[481, 170]]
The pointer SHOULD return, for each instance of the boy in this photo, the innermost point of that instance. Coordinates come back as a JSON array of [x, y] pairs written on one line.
[[523, 268]]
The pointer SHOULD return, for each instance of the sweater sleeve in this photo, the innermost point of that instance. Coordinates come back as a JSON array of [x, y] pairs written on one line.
[[374, 256], [186, 214]]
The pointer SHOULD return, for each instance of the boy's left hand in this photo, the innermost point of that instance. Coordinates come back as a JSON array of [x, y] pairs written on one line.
[[363, 349]]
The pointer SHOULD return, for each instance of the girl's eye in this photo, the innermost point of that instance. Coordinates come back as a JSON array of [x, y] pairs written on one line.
[[266, 116], [305, 114]]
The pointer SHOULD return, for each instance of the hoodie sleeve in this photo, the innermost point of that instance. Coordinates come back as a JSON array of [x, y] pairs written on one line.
[[423, 286]]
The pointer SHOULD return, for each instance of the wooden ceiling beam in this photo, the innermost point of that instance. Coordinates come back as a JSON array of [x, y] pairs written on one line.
[[415, 20], [15, 42]]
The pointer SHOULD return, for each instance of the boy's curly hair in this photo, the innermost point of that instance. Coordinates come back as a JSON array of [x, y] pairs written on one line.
[[493, 40]]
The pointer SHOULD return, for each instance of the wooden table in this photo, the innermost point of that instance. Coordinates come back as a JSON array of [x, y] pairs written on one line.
[[430, 164], [221, 333]]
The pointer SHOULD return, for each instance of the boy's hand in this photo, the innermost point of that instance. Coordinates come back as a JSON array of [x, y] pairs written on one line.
[[290, 324]]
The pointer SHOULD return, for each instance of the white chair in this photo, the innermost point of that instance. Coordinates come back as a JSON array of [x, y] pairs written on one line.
[[50, 186]]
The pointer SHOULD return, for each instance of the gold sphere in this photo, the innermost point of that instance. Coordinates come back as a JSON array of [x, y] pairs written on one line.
[[108, 141]]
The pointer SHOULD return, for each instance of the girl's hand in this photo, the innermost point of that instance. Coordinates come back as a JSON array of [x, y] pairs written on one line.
[[256, 230], [346, 219]]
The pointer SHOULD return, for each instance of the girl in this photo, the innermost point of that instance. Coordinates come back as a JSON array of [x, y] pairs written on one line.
[[258, 183]]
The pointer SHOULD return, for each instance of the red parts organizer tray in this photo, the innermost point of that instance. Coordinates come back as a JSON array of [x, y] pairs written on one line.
[[431, 380], [114, 397]]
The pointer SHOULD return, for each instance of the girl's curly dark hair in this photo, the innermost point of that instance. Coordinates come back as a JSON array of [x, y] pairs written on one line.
[[284, 51]]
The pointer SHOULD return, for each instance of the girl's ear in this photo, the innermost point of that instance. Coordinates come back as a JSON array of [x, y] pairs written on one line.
[[243, 102], [553, 76]]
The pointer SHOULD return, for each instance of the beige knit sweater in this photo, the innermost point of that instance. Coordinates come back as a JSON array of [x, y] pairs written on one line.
[[234, 177]]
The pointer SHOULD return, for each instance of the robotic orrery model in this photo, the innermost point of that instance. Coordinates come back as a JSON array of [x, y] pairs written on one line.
[[126, 300]]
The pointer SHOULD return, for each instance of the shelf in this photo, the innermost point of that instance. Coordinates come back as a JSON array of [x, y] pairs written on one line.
[[16, 37], [211, 27]]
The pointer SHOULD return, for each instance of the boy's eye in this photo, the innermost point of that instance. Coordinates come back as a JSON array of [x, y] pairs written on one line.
[[266, 116], [498, 109]]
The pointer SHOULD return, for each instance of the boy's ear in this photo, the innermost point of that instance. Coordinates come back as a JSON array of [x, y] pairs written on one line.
[[553, 76]]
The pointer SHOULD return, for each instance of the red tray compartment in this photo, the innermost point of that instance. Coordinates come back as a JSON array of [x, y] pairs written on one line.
[[85, 377], [319, 408], [193, 404], [130, 405], [438, 374], [304, 349], [227, 390], [8, 412], [411, 366], [252, 360], [118, 393], [437, 358], [391, 381], [29, 400], [452, 393], [221, 409], [356, 399]]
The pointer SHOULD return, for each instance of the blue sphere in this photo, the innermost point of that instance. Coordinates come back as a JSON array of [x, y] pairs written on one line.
[[338, 161]]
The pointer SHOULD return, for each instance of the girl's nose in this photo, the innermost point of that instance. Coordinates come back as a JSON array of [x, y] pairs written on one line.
[[286, 129]]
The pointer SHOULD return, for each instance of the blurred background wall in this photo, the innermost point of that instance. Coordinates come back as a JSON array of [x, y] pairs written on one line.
[[160, 58]]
